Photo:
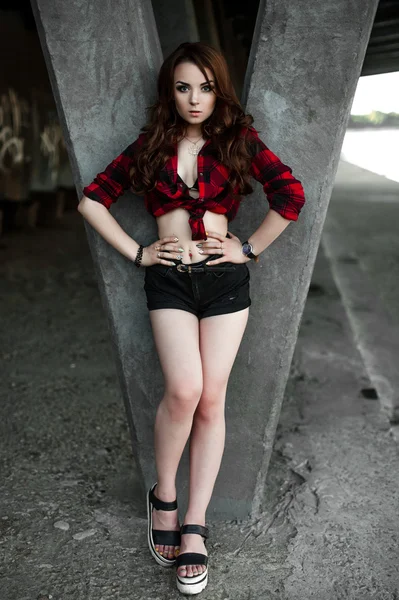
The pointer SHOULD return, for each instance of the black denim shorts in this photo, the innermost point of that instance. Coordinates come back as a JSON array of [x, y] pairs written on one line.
[[204, 294]]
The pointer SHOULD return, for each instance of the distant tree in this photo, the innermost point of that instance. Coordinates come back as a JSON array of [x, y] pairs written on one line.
[[374, 119]]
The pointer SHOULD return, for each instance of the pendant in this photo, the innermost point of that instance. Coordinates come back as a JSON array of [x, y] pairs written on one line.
[[193, 150]]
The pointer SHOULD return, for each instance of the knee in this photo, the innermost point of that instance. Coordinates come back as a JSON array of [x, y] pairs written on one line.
[[211, 403], [183, 399]]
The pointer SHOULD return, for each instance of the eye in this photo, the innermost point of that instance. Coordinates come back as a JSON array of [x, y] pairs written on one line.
[[182, 88], [207, 88]]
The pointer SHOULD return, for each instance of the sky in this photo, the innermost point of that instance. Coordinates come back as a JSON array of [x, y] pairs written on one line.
[[377, 92]]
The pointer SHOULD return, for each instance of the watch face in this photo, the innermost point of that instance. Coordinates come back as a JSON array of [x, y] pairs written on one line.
[[247, 249]]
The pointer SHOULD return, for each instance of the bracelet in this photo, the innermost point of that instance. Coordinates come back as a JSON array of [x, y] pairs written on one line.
[[139, 256]]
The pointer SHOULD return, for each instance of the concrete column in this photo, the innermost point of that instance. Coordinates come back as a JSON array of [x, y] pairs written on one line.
[[103, 59], [176, 23], [302, 73]]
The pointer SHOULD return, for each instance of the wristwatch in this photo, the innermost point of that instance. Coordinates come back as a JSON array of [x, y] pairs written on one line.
[[247, 250]]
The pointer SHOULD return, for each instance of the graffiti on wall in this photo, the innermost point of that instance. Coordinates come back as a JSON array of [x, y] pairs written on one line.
[[32, 149], [14, 123]]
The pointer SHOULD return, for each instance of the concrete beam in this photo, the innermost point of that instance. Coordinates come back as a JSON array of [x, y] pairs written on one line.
[[302, 74]]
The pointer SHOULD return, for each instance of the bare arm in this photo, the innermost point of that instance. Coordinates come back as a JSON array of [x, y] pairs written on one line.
[[271, 227], [102, 221]]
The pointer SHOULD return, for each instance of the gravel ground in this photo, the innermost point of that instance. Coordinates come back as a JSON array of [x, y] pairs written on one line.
[[72, 522]]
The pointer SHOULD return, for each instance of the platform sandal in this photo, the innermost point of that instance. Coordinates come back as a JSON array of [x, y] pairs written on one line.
[[196, 583], [157, 536]]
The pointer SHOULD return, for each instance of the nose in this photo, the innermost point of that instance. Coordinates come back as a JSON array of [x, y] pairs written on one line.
[[193, 99]]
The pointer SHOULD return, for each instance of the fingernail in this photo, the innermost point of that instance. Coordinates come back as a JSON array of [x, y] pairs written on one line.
[[201, 251], [206, 233], [176, 239], [199, 245], [179, 257], [181, 249]]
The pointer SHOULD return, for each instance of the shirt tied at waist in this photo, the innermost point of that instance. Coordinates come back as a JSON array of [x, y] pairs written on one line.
[[197, 224]]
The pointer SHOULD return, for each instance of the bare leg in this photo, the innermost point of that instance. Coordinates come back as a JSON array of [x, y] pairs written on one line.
[[220, 338], [176, 335]]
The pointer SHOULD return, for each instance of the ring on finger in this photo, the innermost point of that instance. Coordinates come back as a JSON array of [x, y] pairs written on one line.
[[158, 254], [157, 247]]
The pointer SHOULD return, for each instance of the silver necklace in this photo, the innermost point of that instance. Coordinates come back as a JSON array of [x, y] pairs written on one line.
[[193, 148]]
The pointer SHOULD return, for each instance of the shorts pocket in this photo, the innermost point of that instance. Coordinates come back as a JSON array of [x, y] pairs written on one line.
[[160, 269], [231, 269]]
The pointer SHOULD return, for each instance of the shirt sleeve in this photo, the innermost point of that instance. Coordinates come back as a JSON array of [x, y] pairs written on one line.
[[112, 183], [284, 192]]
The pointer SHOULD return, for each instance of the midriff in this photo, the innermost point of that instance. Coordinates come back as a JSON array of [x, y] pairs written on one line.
[[176, 223]]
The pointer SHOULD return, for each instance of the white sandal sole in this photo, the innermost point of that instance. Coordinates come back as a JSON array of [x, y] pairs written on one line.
[[192, 585], [164, 562]]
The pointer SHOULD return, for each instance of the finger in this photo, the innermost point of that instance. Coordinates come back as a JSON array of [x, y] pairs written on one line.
[[218, 261], [162, 261], [215, 235], [172, 248], [177, 255], [168, 255], [170, 238], [211, 245], [211, 251]]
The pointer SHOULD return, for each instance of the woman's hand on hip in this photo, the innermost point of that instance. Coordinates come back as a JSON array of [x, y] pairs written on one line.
[[161, 252], [230, 248]]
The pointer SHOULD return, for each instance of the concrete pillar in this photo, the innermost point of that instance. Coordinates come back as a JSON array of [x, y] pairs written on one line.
[[103, 59], [176, 23], [302, 73]]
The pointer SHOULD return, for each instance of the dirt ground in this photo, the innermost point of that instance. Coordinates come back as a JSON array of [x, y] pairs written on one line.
[[72, 517]]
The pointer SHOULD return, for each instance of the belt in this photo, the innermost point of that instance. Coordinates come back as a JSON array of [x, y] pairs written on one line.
[[182, 268]]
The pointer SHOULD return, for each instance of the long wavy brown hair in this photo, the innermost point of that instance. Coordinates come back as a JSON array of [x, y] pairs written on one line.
[[165, 127]]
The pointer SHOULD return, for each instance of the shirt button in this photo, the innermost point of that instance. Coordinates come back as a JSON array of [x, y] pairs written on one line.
[[201, 174]]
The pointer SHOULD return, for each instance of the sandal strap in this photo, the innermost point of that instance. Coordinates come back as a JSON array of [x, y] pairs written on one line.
[[200, 529], [166, 538], [191, 558], [160, 504]]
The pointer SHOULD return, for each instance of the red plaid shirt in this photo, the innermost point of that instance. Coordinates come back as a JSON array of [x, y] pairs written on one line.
[[283, 191]]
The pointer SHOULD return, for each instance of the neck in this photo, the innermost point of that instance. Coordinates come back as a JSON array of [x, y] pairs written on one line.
[[193, 131]]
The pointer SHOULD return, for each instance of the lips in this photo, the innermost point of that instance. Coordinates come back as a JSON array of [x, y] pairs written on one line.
[[195, 112]]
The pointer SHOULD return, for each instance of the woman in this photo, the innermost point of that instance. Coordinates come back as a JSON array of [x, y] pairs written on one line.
[[193, 163]]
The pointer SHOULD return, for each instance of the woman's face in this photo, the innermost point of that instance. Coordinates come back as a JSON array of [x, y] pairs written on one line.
[[195, 99]]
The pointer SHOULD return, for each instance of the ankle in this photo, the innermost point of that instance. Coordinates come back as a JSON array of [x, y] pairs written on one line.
[[194, 519], [165, 493]]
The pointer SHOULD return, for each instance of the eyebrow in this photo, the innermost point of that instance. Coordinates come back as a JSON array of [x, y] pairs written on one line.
[[205, 82]]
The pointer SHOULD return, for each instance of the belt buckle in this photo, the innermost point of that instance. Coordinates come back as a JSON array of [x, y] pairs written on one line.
[[183, 268]]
